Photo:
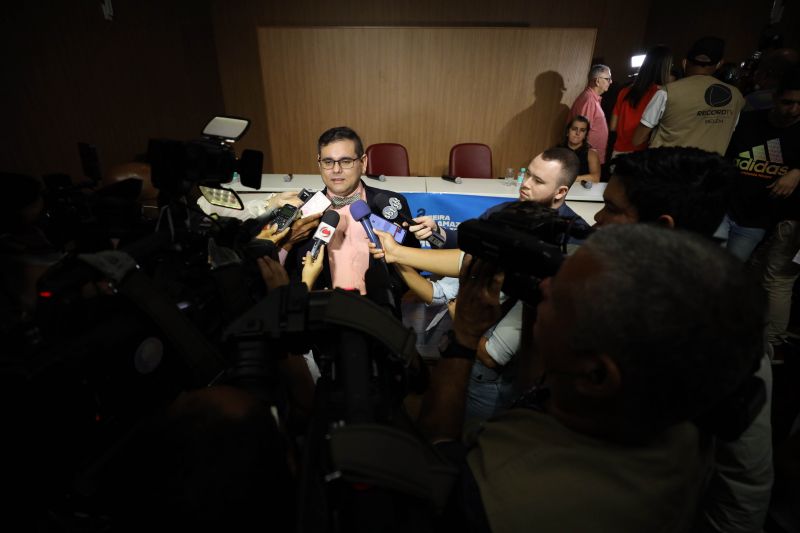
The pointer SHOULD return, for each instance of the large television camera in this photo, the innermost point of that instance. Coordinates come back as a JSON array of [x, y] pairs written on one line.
[[527, 240], [207, 162], [291, 319]]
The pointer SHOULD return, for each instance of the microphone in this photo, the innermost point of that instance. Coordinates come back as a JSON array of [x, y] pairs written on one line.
[[378, 282], [325, 231], [454, 179], [379, 177], [391, 209], [360, 211]]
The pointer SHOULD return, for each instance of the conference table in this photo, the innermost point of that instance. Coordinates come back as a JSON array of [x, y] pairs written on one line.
[[449, 203]]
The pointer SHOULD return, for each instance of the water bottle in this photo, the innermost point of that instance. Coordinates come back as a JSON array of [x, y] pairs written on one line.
[[521, 177]]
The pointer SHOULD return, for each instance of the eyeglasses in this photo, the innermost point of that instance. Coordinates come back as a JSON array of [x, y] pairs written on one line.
[[604, 78], [344, 163]]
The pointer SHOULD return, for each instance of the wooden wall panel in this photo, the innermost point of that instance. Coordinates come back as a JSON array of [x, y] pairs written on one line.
[[620, 31], [427, 88]]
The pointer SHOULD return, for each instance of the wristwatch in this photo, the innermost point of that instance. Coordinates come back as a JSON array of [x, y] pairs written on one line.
[[450, 348]]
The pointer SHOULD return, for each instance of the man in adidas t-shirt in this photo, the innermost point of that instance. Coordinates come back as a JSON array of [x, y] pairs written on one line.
[[766, 150]]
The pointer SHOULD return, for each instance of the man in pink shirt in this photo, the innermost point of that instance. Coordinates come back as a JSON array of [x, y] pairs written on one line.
[[342, 161], [588, 105]]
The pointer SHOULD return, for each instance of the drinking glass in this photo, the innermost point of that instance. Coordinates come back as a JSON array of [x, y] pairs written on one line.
[[509, 179]]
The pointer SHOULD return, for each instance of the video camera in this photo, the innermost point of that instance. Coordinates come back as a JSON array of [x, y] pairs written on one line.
[[207, 162], [293, 320], [524, 238]]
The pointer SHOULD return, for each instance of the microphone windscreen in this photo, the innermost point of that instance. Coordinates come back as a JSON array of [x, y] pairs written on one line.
[[381, 200], [325, 230], [331, 218], [359, 210], [391, 208], [389, 212]]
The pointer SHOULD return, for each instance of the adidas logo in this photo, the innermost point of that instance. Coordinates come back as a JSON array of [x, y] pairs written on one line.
[[766, 160]]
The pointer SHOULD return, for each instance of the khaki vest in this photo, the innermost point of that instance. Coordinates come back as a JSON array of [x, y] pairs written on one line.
[[701, 111]]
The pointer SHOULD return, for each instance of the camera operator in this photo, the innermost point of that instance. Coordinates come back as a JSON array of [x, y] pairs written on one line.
[[607, 444], [687, 188], [549, 177]]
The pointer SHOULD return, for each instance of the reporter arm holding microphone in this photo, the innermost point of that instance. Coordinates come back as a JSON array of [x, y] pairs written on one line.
[[442, 262], [425, 226]]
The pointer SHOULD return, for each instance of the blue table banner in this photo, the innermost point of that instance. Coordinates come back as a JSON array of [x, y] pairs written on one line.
[[449, 210]]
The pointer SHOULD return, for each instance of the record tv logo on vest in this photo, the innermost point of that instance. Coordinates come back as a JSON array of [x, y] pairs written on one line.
[[763, 161], [717, 96]]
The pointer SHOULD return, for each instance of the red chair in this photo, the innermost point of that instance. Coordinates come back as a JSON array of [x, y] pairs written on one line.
[[471, 160], [389, 159]]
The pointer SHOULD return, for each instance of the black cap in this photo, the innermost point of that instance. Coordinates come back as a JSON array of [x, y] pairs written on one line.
[[706, 51]]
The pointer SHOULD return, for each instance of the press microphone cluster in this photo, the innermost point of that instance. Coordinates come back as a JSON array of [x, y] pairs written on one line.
[[392, 209], [325, 231]]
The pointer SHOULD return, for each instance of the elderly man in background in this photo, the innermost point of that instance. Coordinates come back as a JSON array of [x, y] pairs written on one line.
[[587, 104]]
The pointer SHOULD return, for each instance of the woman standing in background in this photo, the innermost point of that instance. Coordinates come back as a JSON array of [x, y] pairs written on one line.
[[632, 100]]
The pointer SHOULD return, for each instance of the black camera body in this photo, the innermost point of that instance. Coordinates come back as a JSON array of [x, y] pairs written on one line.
[[210, 160], [527, 240]]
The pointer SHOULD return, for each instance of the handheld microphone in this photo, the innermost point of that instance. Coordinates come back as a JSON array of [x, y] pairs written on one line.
[[391, 209], [378, 282], [325, 231], [379, 177], [360, 211], [454, 179]]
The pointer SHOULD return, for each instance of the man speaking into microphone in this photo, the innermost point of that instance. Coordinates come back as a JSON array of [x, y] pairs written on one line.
[[342, 161]]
